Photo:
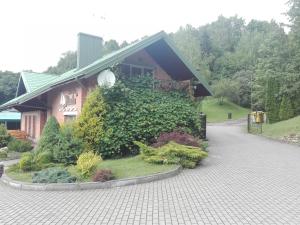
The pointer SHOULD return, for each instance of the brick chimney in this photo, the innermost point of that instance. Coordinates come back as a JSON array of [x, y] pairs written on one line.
[[89, 49]]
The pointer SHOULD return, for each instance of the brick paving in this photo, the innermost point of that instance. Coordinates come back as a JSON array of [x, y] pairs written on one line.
[[246, 180]]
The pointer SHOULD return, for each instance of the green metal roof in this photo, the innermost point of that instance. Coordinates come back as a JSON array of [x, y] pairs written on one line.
[[103, 63], [34, 81], [10, 116]]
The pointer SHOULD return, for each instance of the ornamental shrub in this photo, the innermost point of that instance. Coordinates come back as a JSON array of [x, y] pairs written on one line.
[[53, 175], [19, 146], [4, 136], [87, 163], [103, 175], [89, 126], [27, 162], [178, 137], [172, 153], [3, 154], [137, 112], [49, 137], [68, 147], [42, 159]]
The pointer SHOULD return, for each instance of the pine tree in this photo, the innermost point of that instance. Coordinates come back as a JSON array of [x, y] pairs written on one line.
[[49, 137], [89, 126], [286, 110], [271, 100]]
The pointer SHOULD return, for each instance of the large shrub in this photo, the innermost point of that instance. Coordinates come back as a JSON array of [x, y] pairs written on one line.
[[89, 126], [19, 146], [172, 153], [68, 147], [87, 163], [49, 137], [286, 110], [53, 175], [4, 136], [137, 112]]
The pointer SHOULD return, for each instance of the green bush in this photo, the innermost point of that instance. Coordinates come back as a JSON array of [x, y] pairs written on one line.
[[3, 154], [19, 146], [49, 137], [53, 175], [87, 163], [89, 126], [4, 136], [137, 112], [172, 153], [42, 159], [68, 147], [27, 162]]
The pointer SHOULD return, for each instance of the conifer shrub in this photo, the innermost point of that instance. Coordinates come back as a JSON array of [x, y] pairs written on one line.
[[68, 147], [49, 137], [3, 154], [27, 162], [172, 153], [89, 125], [53, 175], [19, 146], [87, 163]]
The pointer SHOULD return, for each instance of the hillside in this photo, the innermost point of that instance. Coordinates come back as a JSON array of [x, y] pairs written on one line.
[[219, 113], [288, 130]]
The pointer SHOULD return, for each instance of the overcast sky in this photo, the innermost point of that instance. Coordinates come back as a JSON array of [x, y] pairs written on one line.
[[34, 33]]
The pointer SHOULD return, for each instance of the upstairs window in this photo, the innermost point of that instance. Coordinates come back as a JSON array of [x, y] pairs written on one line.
[[136, 70]]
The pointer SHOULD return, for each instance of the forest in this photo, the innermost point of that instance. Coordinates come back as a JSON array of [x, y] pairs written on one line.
[[255, 64]]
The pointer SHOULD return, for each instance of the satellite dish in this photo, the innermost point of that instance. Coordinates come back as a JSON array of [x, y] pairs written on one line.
[[106, 78]]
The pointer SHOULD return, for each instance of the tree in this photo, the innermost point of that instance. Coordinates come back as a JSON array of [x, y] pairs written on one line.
[[225, 88], [110, 46], [49, 137], [89, 125], [8, 85], [286, 110], [67, 61], [272, 100]]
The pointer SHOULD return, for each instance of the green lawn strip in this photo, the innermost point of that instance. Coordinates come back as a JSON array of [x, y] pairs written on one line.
[[121, 168], [219, 113], [283, 128]]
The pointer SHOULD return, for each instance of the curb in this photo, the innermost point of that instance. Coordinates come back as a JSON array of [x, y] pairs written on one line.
[[88, 185]]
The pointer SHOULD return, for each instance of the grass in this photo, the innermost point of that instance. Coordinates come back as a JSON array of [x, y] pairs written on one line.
[[219, 113], [283, 128], [121, 168]]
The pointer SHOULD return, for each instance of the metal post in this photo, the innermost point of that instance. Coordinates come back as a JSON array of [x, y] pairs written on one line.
[[202, 117], [249, 122], [1, 170]]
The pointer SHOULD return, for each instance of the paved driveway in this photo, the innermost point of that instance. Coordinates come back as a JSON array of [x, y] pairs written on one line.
[[245, 180]]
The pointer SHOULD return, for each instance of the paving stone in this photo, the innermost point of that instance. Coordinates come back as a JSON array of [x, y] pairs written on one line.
[[245, 180]]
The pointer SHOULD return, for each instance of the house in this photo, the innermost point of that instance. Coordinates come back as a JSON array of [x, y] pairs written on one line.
[[40, 96], [11, 119]]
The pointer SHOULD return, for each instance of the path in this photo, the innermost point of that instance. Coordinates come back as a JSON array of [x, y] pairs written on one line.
[[246, 180]]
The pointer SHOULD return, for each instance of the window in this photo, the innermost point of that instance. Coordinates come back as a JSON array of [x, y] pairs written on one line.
[[135, 70], [69, 118]]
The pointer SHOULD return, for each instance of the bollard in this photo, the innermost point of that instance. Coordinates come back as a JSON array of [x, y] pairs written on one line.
[[1, 170], [230, 116], [202, 117]]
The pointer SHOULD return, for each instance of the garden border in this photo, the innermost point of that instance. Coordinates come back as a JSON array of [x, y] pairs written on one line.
[[88, 185]]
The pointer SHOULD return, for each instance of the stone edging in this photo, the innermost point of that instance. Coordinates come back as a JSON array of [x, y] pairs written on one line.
[[88, 185]]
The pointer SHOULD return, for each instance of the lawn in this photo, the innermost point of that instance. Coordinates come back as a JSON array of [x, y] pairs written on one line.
[[219, 113], [283, 128], [121, 168]]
